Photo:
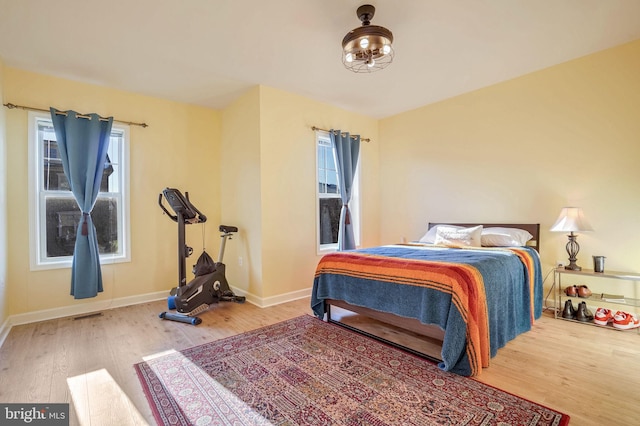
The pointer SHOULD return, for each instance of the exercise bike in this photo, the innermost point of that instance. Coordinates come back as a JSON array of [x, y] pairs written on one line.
[[210, 283]]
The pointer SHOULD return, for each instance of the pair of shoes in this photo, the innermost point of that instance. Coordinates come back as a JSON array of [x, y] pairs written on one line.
[[625, 320], [577, 291], [603, 316], [583, 314]]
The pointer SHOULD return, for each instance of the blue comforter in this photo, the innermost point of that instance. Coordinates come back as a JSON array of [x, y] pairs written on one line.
[[425, 282]]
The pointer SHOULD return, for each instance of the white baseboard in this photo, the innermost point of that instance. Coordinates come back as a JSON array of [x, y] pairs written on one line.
[[273, 300], [85, 308], [91, 307]]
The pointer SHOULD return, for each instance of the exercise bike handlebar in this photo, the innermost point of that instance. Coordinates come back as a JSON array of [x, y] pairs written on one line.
[[164, 209], [181, 205]]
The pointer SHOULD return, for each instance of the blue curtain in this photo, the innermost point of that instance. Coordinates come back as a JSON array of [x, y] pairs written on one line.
[[346, 149], [83, 141]]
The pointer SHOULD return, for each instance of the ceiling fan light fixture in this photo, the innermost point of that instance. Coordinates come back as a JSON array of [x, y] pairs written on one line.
[[367, 48]]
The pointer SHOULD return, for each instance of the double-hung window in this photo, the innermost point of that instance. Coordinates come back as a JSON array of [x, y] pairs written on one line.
[[329, 203], [54, 212]]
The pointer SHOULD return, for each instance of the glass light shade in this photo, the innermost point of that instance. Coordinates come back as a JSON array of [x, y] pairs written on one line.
[[571, 219], [367, 48]]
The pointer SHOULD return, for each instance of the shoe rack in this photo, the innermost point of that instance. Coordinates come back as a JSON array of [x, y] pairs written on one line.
[[600, 292]]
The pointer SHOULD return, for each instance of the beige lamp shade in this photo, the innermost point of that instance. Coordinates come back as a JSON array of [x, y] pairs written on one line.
[[571, 219]]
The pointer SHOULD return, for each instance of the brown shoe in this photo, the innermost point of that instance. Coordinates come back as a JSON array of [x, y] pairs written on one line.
[[583, 291], [571, 291], [569, 311], [583, 314]]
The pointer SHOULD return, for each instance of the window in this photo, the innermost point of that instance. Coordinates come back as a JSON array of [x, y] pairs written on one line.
[[328, 196], [54, 213]]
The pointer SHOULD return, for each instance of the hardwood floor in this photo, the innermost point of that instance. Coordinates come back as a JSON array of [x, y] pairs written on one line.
[[590, 373]]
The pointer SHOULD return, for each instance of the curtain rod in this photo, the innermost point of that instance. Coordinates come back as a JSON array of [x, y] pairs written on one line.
[[325, 130], [12, 106]]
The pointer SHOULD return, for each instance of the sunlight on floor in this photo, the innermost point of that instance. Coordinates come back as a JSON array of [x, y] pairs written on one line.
[[96, 395], [207, 390], [158, 355]]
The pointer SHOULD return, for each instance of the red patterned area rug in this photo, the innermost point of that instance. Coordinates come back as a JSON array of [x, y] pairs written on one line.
[[306, 372]]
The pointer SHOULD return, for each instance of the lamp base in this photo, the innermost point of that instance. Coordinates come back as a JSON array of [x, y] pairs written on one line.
[[572, 250]]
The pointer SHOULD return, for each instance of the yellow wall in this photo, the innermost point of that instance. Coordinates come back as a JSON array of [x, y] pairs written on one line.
[[239, 164], [4, 314], [521, 150], [288, 158], [179, 149], [268, 188]]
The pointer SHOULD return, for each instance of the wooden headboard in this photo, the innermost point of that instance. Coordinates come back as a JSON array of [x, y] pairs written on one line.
[[532, 228]]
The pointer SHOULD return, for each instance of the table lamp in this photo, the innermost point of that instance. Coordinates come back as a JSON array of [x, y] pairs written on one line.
[[572, 220]]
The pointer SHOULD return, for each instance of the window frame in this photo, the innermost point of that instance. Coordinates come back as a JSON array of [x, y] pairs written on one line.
[[38, 196], [354, 203]]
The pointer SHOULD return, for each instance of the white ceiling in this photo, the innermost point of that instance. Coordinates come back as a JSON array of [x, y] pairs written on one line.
[[207, 52]]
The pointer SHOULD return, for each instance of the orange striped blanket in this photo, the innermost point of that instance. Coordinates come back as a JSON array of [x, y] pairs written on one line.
[[425, 284]]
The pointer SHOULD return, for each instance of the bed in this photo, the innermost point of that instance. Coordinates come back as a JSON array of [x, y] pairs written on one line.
[[472, 299]]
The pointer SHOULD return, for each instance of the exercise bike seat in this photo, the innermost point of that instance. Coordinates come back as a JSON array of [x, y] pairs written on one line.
[[227, 229]]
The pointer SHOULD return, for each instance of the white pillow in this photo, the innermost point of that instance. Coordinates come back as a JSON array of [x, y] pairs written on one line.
[[505, 237], [430, 236], [459, 237]]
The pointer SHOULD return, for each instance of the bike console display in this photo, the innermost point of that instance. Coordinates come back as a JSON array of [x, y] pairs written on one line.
[[181, 206]]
